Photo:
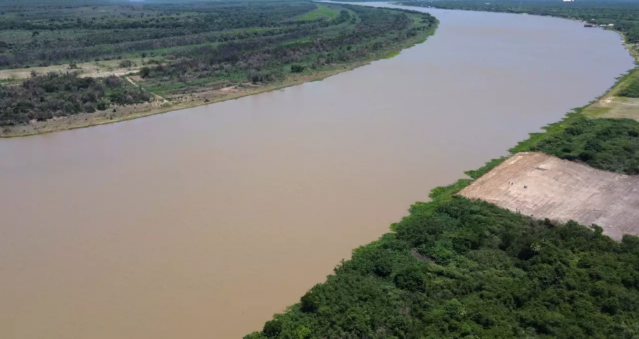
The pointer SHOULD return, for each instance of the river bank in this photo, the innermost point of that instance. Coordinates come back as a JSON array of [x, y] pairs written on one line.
[[608, 104], [203, 96], [130, 112], [600, 107], [456, 267]]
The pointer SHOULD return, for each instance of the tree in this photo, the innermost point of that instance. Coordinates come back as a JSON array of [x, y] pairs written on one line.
[[272, 328], [411, 279], [144, 72], [310, 303]]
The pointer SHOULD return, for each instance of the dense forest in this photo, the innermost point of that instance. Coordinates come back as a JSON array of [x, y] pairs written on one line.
[[472, 270], [177, 48], [623, 15], [456, 268], [608, 144]]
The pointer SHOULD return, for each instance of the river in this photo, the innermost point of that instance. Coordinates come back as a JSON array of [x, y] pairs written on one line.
[[204, 222]]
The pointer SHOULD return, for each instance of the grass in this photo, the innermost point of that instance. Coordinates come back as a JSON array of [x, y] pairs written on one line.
[[610, 105], [321, 12], [594, 112], [391, 55]]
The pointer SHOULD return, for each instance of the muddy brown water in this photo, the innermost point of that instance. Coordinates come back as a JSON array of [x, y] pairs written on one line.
[[202, 223]]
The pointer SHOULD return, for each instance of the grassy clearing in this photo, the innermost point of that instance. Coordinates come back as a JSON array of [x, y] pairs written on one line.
[[321, 12], [613, 106]]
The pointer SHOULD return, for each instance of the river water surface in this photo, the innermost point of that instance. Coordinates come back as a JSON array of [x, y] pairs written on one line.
[[204, 222]]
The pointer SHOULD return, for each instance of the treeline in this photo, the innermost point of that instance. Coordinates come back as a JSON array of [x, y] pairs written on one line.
[[58, 95], [221, 43], [349, 37], [607, 144], [472, 270], [624, 15], [210, 16], [43, 35], [109, 45]]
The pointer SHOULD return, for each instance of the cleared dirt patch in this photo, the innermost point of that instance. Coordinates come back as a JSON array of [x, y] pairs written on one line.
[[544, 186], [96, 70]]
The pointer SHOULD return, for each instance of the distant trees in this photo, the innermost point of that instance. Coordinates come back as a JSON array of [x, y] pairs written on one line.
[[56, 95], [261, 59], [107, 35], [624, 15], [220, 43]]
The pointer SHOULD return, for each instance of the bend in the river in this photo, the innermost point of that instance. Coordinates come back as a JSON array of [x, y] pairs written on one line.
[[209, 220]]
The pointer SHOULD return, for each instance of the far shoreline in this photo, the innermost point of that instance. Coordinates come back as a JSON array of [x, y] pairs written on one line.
[[111, 116]]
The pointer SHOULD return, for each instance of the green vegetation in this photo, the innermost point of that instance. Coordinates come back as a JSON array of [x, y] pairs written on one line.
[[631, 90], [356, 34], [608, 144], [620, 15], [43, 34], [456, 268], [320, 13], [184, 48], [471, 270], [43, 97]]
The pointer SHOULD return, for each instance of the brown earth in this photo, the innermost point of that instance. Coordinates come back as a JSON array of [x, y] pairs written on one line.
[[544, 186], [87, 69]]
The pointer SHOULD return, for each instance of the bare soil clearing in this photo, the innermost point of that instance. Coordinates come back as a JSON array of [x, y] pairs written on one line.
[[544, 186], [88, 69]]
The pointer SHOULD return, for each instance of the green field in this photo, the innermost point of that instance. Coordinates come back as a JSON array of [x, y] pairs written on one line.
[[320, 13]]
